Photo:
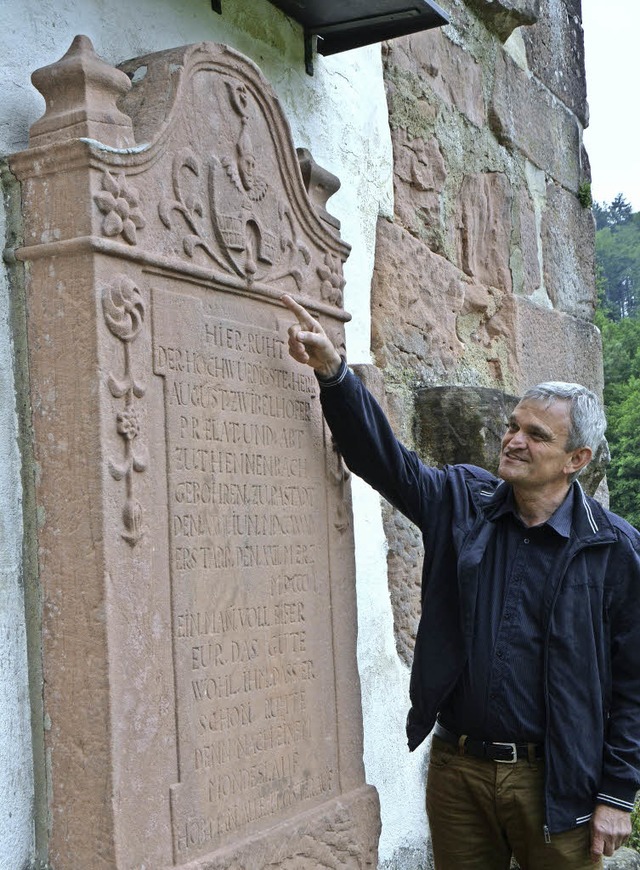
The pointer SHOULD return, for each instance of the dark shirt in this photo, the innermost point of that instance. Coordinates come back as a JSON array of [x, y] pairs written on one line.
[[499, 695]]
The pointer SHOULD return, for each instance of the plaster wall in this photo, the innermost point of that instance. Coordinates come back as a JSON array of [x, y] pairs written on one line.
[[16, 774], [340, 115]]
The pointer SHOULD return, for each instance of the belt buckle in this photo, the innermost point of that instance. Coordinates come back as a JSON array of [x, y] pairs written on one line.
[[514, 753]]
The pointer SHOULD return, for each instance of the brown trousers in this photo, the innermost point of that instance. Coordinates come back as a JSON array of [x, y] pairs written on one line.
[[483, 813]]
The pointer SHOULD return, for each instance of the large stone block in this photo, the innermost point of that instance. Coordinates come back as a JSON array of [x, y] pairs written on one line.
[[462, 424], [195, 543], [416, 297], [525, 257], [550, 345], [439, 65], [525, 117], [568, 253], [419, 179], [555, 53], [483, 229]]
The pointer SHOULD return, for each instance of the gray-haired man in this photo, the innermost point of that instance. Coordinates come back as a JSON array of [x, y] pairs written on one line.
[[527, 656]]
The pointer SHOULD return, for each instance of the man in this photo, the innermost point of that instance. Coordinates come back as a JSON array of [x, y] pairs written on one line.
[[527, 656]]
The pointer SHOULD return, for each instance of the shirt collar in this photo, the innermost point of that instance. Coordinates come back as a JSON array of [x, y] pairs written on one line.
[[560, 519]]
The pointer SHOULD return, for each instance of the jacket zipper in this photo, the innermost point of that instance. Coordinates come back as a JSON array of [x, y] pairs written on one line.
[[574, 549], [577, 548]]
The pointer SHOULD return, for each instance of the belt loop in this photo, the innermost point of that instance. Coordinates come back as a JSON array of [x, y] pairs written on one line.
[[531, 753], [461, 744]]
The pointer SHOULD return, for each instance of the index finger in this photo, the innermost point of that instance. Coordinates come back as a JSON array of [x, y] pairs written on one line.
[[304, 318]]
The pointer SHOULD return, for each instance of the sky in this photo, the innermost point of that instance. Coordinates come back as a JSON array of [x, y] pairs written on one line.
[[612, 139]]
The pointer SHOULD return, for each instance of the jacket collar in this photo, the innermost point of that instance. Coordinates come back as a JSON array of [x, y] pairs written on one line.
[[578, 517]]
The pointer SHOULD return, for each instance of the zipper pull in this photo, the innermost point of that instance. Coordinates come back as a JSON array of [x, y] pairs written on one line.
[[547, 835]]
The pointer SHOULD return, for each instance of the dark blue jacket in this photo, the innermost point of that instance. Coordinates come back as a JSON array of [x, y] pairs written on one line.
[[592, 610]]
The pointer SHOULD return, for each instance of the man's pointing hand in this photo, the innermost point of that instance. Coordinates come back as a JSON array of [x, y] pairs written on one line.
[[309, 343]]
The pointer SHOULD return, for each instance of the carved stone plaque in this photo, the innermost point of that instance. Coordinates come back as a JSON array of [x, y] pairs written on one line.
[[251, 606], [196, 551]]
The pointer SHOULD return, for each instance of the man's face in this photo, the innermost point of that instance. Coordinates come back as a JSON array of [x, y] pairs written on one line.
[[533, 451]]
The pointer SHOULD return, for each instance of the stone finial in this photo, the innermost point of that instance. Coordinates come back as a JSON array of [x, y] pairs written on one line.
[[80, 91], [320, 184]]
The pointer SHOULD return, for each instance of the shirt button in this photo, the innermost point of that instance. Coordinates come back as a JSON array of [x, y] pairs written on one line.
[[499, 653], [526, 540]]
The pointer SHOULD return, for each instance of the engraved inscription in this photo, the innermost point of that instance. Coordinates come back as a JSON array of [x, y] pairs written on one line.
[[251, 620]]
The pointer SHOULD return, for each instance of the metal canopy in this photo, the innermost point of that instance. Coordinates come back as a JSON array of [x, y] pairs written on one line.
[[340, 25], [344, 24]]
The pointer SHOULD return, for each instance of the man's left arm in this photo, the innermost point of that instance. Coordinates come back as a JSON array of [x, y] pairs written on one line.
[[611, 820]]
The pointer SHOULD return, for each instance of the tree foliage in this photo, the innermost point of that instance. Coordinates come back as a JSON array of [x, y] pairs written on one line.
[[612, 214], [621, 345], [618, 316], [618, 257]]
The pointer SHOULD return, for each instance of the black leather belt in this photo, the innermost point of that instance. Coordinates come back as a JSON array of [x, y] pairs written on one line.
[[506, 753]]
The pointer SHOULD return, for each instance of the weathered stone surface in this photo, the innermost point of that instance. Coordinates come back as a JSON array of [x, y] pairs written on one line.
[[429, 291], [441, 66], [195, 546], [623, 859], [520, 109], [419, 176], [483, 229], [550, 346], [404, 566], [462, 424], [555, 53], [569, 270], [525, 257], [503, 16]]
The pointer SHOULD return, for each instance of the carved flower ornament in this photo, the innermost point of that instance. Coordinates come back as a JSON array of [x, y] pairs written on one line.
[[123, 308], [128, 423], [119, 202]]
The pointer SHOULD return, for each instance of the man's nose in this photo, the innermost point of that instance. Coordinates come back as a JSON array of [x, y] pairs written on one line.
[[518, 440]]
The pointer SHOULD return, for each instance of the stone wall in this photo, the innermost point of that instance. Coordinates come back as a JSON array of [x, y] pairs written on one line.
[[484, 278], [483, 283]]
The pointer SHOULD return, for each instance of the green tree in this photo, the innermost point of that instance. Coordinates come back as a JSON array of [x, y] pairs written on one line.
[[610, 214], [619, 211], [618, 257], [621, 354], [601, 214]]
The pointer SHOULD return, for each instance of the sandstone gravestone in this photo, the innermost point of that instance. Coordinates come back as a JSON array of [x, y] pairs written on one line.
[[194, 540]]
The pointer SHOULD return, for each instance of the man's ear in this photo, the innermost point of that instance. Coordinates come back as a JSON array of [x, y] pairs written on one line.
[[578, 459]]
